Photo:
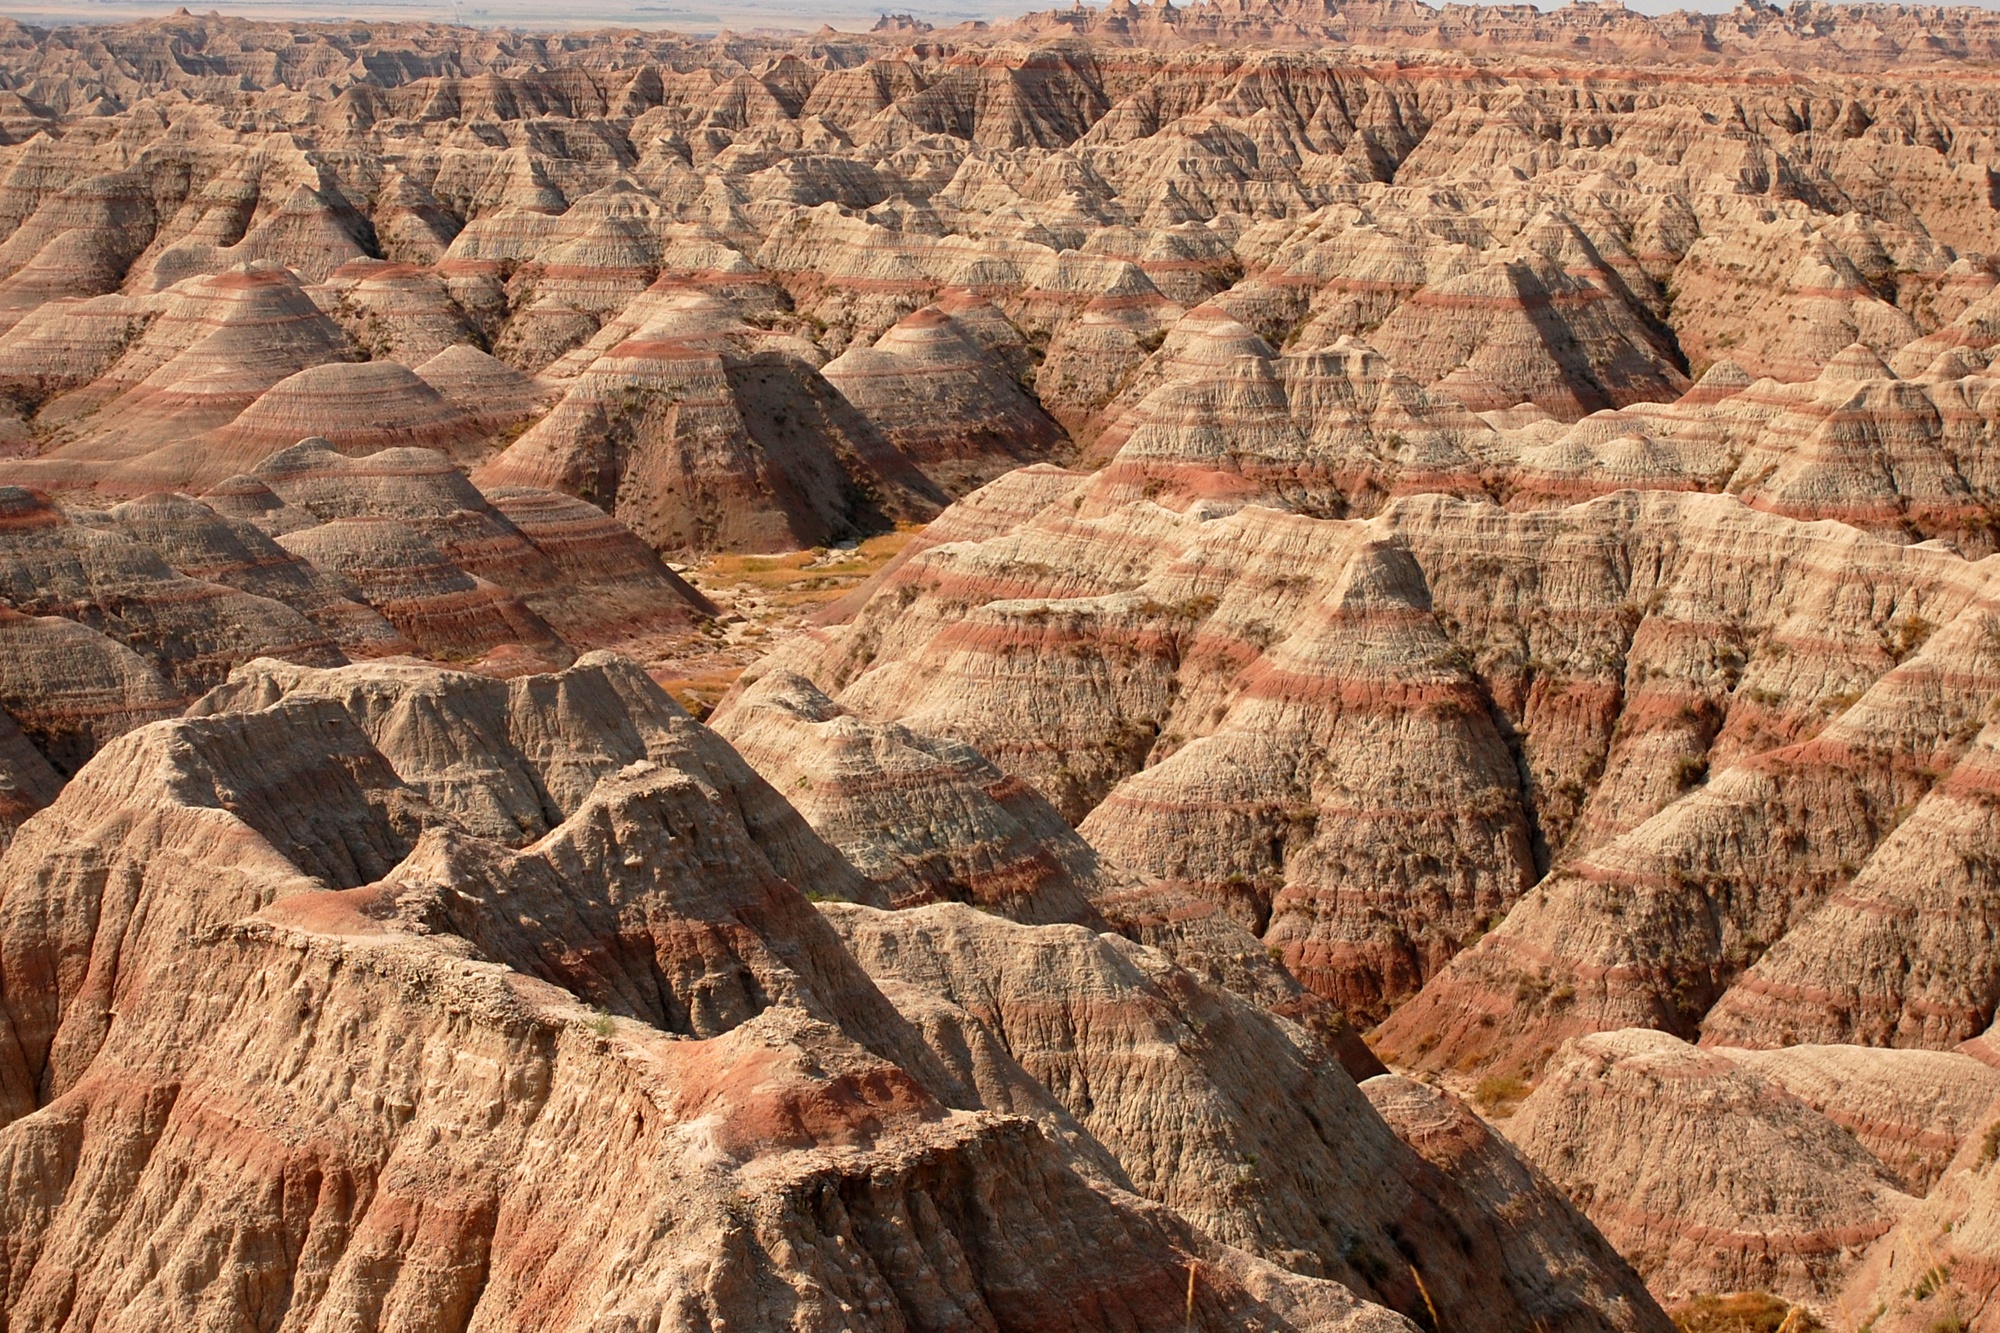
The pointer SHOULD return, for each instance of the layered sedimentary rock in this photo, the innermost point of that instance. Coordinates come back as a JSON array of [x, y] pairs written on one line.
[[358, 408], [210, 347], [924, 820], [194, 630], [1523, 581], [68, 690], [992, 841], [1226, 1116], [27, 782], [1520, 329], [940, 395], [467, 836], [1479, 1171], [607, 585], [1937, 1265], [501, 1180], [1216, 696], [1860, 39], [204, 379], [1217, 664], [397, 312], [1899, 955], [448, 613], [981, 236], [593, 577], [198, 541], [486, 389], [121, 614], [1913, 1109], [1658, 925], [510, 760], [1707, 1175]]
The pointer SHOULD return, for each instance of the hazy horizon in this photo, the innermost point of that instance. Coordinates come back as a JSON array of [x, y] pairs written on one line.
[[694, 17]]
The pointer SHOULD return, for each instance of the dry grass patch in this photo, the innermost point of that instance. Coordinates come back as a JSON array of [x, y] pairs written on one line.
[[1743, 1312], [699, 693], [799, 579], [1501, 1095]]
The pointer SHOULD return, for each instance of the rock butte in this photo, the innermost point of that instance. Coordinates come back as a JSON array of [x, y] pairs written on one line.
[[1474, 525]]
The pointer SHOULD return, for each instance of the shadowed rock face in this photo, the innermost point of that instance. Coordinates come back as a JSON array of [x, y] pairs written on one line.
[[945, 399], [699, 439], [1474, 1170]]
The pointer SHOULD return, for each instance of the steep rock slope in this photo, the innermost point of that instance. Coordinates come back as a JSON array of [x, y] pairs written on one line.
[[211, 347], [1898, 956], [1482, 1172], [190, 629], [68, 689], [27, 782], [1656, 926], [1216, 695], [791, 1138], [589, 574], [993, 841], [1266, 1144]]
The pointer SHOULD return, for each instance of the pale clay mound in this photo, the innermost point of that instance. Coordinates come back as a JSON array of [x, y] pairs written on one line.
[[1913, 1109], [1709, 1176], [1463, 523]]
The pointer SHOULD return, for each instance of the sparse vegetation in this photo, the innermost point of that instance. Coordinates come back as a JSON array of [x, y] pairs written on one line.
[[1989, 1146], [1689, 771], [1743, 1312], [1502, 1094], [1906, 635]]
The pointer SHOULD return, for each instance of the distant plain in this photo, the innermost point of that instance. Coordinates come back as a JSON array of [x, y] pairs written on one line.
[[697, 16]]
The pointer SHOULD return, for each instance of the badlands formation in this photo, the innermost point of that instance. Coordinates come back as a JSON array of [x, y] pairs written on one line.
[[1420, 748]]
